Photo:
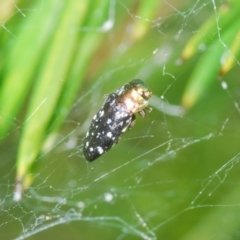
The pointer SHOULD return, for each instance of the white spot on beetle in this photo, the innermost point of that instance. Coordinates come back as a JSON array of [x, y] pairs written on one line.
[[100, 150], [124, 130], [109, 120], [112, 102], [109, 134], [91, 149], [101, 113]]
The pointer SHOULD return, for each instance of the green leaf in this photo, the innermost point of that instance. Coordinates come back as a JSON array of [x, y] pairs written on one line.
[[209, 30], [47, 91], [208, 66], [23, 58]]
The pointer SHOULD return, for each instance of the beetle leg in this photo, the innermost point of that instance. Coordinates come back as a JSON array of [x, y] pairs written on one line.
[[142, 113]]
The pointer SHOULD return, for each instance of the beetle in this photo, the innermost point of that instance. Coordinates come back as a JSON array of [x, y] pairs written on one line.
[[115, 117]]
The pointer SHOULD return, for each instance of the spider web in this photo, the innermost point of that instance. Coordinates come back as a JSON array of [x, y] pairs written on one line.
[[173, 176]]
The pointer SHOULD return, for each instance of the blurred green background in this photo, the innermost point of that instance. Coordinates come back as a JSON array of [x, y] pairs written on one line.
[[175, 174]]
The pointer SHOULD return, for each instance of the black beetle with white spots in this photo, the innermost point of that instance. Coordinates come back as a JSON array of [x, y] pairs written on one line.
[[115, 117]]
